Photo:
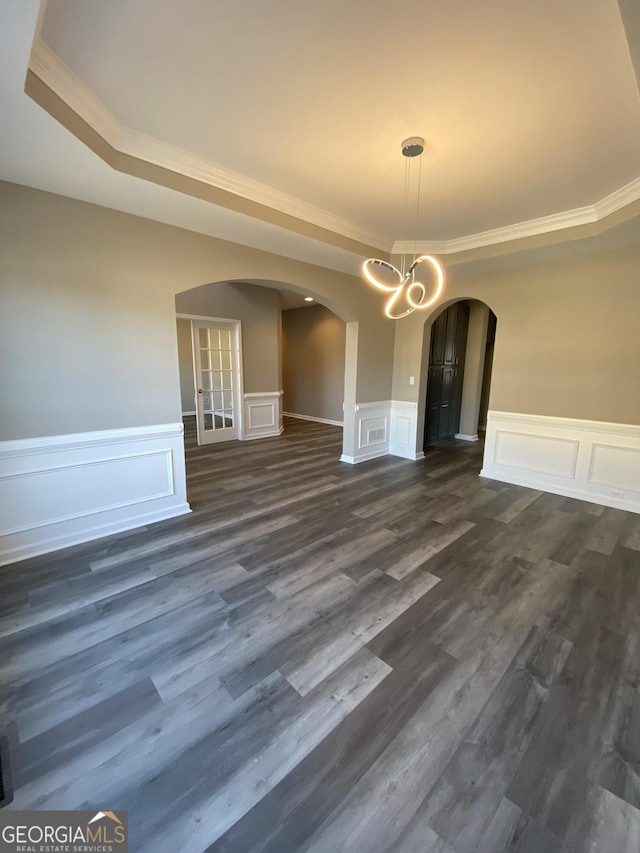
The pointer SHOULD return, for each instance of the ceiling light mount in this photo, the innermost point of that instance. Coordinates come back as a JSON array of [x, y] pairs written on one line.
[[403, 283], [413, 146]]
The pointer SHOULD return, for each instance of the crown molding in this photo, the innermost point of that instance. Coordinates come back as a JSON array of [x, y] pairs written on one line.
[[57, 76], [48, 67], [587, 215], [45, 64]]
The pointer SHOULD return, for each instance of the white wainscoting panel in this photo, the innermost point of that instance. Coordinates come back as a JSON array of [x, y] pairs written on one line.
[[404, 430], [615, 468], [372, 431], [540, 453], [262, 414], [590, 460], [61, 490]]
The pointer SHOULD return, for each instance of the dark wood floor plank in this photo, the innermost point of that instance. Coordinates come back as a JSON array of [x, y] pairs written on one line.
[[606, 531], [393, 656], [285, 818], [552, 779], [463, 803], [513, 831], [290, 738]]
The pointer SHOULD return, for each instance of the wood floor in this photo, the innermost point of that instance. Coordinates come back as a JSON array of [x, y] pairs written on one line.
[[393, 656]]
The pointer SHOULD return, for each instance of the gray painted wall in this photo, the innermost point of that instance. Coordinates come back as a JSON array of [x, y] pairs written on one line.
[[566, 342], [88, 335], [88, 314], [258, 309], [185, 366], [313, 347]]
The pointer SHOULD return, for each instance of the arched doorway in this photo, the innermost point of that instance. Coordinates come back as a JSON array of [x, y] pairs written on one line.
[[255, 306], [457, 359]]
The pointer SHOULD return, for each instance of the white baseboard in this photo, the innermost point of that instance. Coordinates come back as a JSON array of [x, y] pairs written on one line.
[[265, 434], [188, 414], [311, 418], [262, 414], [363, 457], [462, 437], [58, 491], [590, 460]]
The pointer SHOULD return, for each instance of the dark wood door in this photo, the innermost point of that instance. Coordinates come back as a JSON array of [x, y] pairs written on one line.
[[446, 374]]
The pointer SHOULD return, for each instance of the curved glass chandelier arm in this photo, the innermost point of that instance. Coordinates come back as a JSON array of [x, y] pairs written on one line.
[[388, 308], [367, 271], [414, 290], [421, 303], [413, 301]]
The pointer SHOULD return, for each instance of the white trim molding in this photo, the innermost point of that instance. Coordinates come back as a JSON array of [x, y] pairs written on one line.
[[371, 431], [314, 419], [593, 461], [57, 76], [462, 437], [588, 215], [59, 491], [404, 430], [48, 67], [262, 414]]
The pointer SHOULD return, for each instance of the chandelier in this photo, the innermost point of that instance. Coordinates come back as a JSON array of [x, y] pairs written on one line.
[[405, 283]]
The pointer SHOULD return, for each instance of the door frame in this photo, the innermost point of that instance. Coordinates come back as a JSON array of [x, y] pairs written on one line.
[[237, 362], [473, 378]]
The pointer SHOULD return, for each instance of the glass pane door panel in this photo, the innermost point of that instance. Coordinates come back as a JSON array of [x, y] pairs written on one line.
[[215, 353]]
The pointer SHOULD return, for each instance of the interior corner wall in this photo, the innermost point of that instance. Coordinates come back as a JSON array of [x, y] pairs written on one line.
[[258, 310], [473, 369], [313, 349], [185, 366]]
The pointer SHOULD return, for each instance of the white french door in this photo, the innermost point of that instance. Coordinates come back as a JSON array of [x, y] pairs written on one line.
[[216, 359]]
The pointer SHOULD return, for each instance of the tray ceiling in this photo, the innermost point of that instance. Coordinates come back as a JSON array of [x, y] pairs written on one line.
[[292, 113]]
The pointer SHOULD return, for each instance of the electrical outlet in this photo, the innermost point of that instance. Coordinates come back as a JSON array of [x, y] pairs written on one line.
[[412, 380]]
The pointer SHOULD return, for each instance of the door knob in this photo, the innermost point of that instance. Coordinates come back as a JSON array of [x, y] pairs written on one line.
[[199, 390]]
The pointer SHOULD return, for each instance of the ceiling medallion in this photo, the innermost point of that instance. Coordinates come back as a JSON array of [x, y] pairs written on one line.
[[401, 282]]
